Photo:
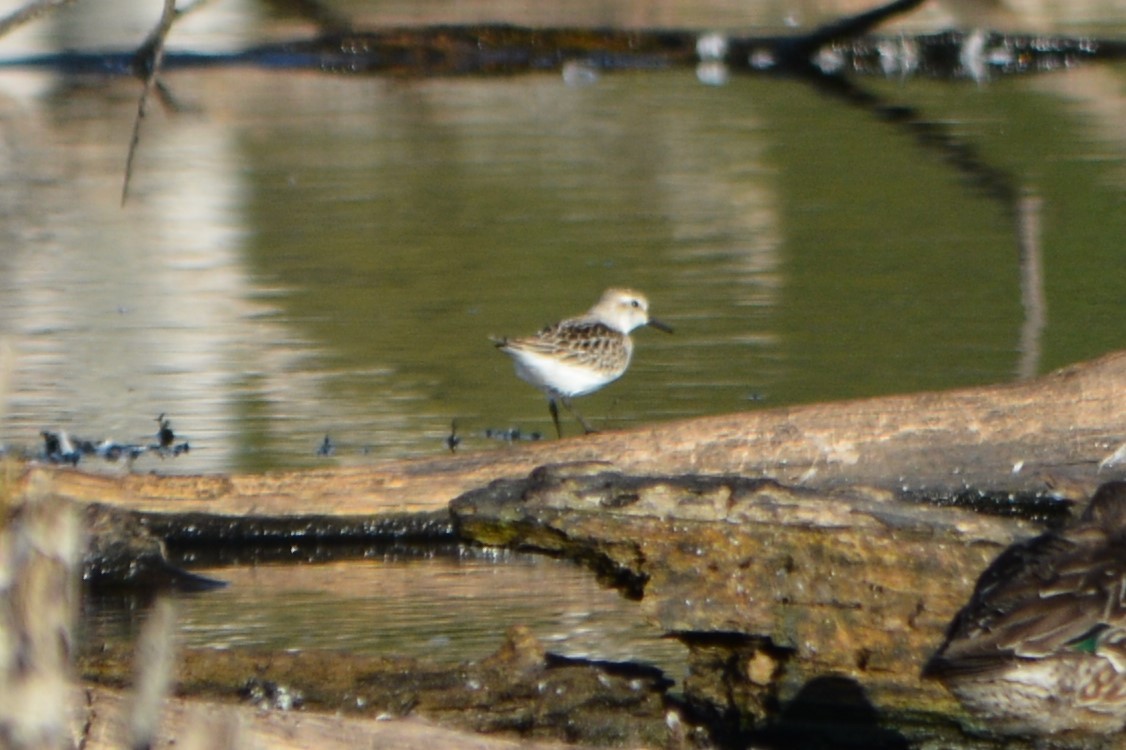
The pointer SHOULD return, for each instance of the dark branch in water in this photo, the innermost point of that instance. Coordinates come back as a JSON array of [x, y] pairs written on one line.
[[505, 49], [930, 136], [843, 46], [147, 64], [795, 52], [1019, 207]]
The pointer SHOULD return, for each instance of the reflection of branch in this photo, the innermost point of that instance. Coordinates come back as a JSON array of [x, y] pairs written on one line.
[[933, 136], [1031, 284], [29, 12], [1023, 210], [147, 62]]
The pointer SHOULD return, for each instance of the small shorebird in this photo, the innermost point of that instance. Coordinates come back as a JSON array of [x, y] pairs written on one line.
[[579, 355], [1041, 646]]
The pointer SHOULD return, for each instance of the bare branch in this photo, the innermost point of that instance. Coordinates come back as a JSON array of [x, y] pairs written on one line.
[[147, 63]]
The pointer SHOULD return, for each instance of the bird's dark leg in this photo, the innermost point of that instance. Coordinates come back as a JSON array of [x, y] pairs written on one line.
[[575, 413], [555, 416]]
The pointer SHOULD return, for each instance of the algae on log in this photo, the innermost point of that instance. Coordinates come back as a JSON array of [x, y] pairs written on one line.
[[518, 690], [771, 588]]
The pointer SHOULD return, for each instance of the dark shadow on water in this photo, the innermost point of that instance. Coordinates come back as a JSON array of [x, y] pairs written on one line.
[[829, 713]]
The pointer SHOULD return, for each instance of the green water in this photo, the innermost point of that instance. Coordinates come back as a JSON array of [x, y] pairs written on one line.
[[305, 254]]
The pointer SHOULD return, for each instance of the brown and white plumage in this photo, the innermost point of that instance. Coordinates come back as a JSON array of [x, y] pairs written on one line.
[[579, 355], [1041, 646]]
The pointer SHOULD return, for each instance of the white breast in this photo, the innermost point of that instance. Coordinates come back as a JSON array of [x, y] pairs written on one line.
[[557, 376]]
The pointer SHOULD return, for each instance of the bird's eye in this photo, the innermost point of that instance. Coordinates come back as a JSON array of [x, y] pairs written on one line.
[[634, 303]]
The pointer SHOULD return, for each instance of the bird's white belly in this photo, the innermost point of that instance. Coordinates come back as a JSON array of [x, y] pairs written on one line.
[[556, 376]]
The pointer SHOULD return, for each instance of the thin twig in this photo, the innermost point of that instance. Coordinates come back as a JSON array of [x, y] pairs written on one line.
[[29, 12], [148, 61]]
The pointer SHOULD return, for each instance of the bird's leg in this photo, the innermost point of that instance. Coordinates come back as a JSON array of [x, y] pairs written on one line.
[[575, 413], [555, 416]]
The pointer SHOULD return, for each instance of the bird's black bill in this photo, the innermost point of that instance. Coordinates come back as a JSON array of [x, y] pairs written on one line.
[[654, 323]]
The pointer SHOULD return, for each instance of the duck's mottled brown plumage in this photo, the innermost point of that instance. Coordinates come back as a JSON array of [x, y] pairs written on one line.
[[1041, 646]]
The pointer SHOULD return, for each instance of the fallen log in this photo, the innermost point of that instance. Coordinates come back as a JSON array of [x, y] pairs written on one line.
[[769, 587], [1055, 432], [796, 552]]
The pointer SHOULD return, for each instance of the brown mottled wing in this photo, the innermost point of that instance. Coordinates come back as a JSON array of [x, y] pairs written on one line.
[[577, 341], [1037, 599]]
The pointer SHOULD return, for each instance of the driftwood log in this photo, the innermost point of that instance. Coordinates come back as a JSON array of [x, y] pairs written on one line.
[[800, 554], [1054, 431]]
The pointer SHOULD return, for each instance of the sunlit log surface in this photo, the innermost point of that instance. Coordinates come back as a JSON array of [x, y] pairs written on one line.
[[1058, 431]]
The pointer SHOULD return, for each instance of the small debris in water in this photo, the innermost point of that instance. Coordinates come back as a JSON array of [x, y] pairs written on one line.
[[511, 435], [60, 448], [579, 73], [712, 47], [165, 437], [453, 440], [712, 73], [269, 694]]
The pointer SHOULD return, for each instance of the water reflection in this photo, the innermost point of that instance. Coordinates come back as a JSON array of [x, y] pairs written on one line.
[[442, 608], [307, 255]]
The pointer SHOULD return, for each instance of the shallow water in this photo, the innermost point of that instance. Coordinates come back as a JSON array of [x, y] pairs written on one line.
[[445, 608]]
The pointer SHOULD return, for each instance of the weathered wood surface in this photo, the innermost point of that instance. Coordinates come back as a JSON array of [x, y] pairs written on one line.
[[101, 723], [1056, 429], [782, 547], [519, 690], [769, 587]]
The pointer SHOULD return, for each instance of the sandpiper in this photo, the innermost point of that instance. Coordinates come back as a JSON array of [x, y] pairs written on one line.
[[579, 355], [1041, 646]]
